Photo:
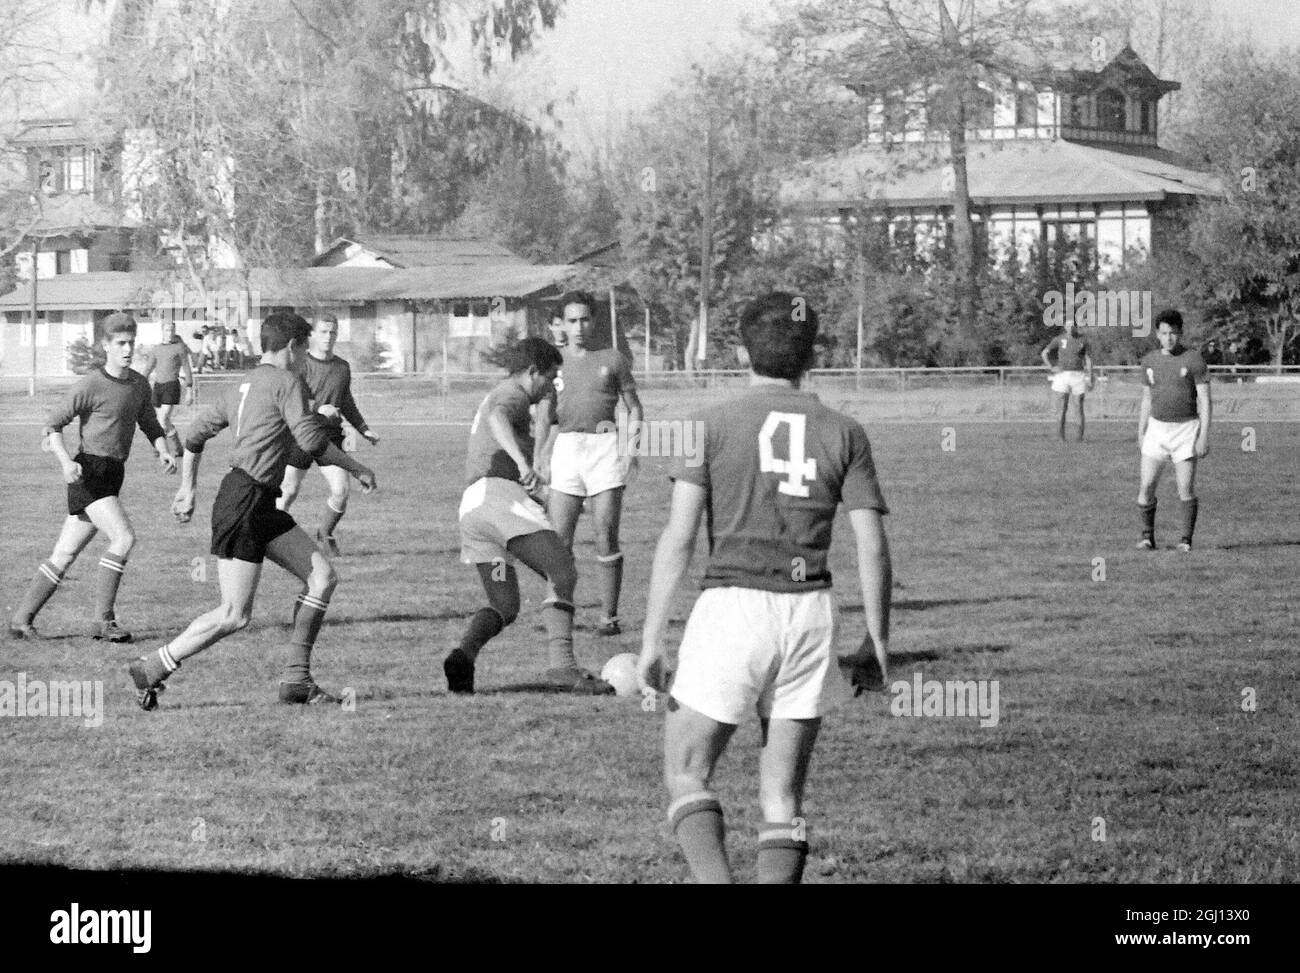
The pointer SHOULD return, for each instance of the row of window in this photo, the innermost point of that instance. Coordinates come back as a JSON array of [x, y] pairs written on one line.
[[70, 169], [1112, 111]]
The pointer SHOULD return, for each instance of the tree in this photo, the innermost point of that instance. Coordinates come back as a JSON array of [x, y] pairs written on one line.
[[1248, 243]]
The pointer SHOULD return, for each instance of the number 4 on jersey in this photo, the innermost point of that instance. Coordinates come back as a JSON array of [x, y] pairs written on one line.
[[799, 467]]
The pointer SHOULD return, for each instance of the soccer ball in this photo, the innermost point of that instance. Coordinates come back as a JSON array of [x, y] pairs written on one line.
[[620, 672]]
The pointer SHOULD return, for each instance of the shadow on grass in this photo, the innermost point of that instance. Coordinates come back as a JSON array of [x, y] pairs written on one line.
[[921, 604], [366, 880], [1248, 545], [932, 655]]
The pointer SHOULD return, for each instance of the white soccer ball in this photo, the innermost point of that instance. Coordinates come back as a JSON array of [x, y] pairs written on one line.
[[620, 672]]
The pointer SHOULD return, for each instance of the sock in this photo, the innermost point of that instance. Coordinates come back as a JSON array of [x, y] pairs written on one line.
[[486, 623], [111, 567], [159, 665], [696, 820], [330, 520], [44, 583], [306, 626], [558, 618], [611, 582], [1189, 517], [1148, 519], [782, 852], [297, 606]]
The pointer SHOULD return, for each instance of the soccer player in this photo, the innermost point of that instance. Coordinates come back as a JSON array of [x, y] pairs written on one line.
[[169, 365], [585, 465], [109, 402], [329, 384], [1071, 372], [501, 522], [270, 416], [776, 463], [1173, 424]]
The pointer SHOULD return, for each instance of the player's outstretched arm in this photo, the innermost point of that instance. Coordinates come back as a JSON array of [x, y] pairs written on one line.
[[1144, 413], [672, 559], [1203, 412], [876, 575], [187, 377], [333, 456], [499, 426]]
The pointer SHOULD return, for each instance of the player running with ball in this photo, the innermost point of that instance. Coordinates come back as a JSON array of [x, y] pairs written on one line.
[[109, 402], [329, 384], [501, 522], [269, 415], [1173, 425], [776, 464]]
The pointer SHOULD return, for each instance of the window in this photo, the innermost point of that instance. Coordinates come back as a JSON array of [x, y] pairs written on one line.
[[67, 168], [1145, 116], [119, 261], [1026, 109], [1110, 111], [1078, 109], [979, 112], [895, 115], [62, 262], [42, 331]]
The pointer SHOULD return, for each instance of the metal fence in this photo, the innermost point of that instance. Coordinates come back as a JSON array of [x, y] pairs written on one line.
[[1010, 394]]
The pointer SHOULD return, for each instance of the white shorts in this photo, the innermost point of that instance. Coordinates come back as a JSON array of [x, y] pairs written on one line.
[[1070, 383], [745, 649], [1171, 440], [493, 512], [586, 463]]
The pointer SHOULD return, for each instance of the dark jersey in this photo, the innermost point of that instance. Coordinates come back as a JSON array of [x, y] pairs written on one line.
[[486, 457], [271, 418], [167, 360], [1172, 380], [330, 383], [776, 463], [589, 388], [1070, 352], [109, 409]]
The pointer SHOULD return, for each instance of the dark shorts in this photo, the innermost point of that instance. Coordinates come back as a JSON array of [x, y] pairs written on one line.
[[245, 518], [167, 393], [101, 476], [300, 460]]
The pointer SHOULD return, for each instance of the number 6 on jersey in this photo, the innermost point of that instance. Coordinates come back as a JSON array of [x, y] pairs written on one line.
[[799, 467]]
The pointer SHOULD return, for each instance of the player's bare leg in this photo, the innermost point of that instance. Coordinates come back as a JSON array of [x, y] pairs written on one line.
[[607, 510], [336, 504], [290, 486], [1081, 420], [783, 770], [693, 743], [76, 533], [546, 554], [1149, 477], [169, 430], [1063, 406], [1185, 474], [109, 516], [298, 554], [563, 510], [501, 585], [238, 582]]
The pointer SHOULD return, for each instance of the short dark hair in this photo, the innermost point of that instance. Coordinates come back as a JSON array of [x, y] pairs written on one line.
[[281, 329], [779, 330], [530, 352], [576, 297], [327, 316], [1170, 317], [119, 322]]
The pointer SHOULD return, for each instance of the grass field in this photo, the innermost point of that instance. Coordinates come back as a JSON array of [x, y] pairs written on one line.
[[1120, 698]]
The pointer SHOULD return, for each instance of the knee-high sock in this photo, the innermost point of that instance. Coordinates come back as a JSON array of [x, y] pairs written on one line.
[[696, 820], [1189, 517], [306, 626], [1148, 512], [486, 623], [44, 583], [558, 617], [109, 577], [159, 665], [782, 853], [611, 582], [331, 518]]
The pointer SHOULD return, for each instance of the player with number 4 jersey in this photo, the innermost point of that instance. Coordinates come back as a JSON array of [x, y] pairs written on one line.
[[270, 417], [775, 466]]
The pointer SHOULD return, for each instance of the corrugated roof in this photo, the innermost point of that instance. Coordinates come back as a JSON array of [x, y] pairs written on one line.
[[424, 251], [295, 286], [1007, 171]]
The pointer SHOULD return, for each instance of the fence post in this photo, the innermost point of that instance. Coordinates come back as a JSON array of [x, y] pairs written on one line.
[[902, 394], [1002, 390]]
